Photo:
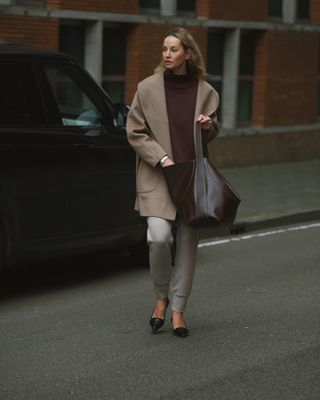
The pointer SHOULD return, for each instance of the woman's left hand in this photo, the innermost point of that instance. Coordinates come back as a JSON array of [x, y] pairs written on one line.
[[205, 121]]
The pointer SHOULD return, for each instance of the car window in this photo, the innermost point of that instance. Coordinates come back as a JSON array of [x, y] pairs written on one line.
[[20, 99], [75, 106]]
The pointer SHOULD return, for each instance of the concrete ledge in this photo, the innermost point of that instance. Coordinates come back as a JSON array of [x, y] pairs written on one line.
[[243, 227], [300, 217], [249, 131], [265, 147], [157, 19]]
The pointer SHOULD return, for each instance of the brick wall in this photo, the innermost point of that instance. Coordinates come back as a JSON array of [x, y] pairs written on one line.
[[285, 76], [315, 11], [243, 10], [36, 31], [53, 3], [118, 6], [144, 52]]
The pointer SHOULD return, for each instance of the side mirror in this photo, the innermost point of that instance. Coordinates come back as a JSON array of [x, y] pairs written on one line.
[[121, 113]]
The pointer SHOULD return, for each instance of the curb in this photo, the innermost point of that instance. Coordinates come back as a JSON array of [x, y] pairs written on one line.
[[250, 226]]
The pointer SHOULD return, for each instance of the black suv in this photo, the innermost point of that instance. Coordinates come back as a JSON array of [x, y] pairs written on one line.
[[67, 172]]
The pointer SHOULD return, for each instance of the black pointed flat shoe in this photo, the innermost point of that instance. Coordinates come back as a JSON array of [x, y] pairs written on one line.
[[157, 323], [181, 331]]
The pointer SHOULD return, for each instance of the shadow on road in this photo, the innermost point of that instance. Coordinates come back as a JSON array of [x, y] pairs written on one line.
[[57, 274]]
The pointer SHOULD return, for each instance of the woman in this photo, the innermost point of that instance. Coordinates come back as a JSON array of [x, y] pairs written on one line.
[[161, 128]]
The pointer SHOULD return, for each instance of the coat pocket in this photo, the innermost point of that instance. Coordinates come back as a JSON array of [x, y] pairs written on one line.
[[147, 177]]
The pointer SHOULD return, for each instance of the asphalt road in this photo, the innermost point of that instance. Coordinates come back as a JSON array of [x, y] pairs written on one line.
[[78, 329]]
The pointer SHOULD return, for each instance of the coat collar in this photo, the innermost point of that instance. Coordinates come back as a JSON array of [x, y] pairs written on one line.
[[207, 100], [155, 110], [206, 103]]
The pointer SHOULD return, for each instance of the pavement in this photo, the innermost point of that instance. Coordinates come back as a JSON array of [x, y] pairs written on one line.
[[274, 195], [79, 330]]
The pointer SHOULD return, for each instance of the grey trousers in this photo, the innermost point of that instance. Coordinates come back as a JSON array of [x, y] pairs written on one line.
[[166, 277]]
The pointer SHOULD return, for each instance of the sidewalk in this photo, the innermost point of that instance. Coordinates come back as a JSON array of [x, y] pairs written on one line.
[[273, 195]]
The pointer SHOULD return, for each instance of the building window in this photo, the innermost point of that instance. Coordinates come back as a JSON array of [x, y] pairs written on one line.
[[246, 77], [215, 62], [186, 8], [114, 61], [150, 6], [71, 40], [30, 3], [275, 9], [303, 10]]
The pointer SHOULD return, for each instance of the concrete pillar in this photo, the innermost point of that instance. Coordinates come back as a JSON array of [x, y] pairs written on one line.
[[289, 11], [230, 78], [93, 49], [168, 8]]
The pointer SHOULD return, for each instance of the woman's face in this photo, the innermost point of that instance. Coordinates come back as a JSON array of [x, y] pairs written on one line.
[[174, 55]]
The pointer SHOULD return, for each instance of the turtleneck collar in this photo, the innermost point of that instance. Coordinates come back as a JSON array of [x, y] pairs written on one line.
[[179, 81]]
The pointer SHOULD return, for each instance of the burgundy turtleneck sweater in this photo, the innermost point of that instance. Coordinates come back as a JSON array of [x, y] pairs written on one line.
[[181, 95]]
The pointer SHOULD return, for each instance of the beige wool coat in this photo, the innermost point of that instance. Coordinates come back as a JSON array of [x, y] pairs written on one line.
[[149, 135]]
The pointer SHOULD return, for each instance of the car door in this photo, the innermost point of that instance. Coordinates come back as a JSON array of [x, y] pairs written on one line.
[[102, 185], [33, 160]]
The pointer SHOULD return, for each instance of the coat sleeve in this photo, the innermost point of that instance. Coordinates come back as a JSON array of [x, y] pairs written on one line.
[[140, 136], [213, 132]]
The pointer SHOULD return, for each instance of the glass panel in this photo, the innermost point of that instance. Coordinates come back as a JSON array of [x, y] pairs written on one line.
[[20, 100], [303, 9], [115, 90], [149, 3], [186, 5], [275, 8], [75, 107], [114, 51], [114, 62], [71, 41], [247, 51], [215, 53], [245, 101]]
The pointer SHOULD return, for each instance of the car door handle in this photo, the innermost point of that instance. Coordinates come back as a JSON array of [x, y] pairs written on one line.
[[84, 146]]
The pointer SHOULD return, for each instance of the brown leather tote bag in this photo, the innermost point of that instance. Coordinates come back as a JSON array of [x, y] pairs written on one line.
[[201, 194]]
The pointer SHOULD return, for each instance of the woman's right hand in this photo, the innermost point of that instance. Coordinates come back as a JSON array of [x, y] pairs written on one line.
[[167, 163]]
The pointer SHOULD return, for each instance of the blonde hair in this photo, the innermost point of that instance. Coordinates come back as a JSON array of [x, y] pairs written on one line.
[[195, 64]]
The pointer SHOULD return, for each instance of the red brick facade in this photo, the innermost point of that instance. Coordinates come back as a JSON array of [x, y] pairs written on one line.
[[285, 77], [36, 31], [241, 10], [286, 61], [315, 11]]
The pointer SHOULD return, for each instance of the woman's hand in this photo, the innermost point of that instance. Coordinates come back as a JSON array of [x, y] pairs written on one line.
[[167, 163], [205, 121]]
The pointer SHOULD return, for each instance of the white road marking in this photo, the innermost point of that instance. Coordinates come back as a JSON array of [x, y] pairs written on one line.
[[261, 234]]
